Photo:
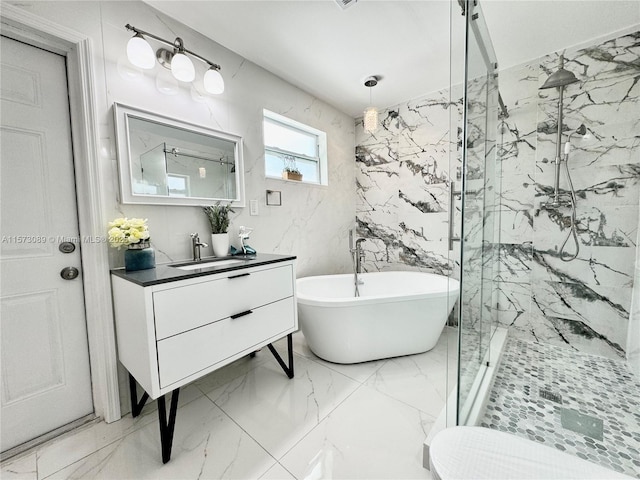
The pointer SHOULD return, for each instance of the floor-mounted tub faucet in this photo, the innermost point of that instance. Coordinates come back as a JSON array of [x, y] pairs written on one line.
[[357, 257], [359, 254], [195, 246]]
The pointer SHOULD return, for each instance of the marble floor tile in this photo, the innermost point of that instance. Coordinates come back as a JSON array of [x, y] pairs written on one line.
[[22, 468], [207, 444], [259, 417], [276, 411], [83, 441], [417, 380], [360, 372], [536, 384], [233, 370], [277, 472], [369, 436]]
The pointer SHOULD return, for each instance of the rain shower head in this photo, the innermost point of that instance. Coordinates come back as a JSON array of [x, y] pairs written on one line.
[[560, 77]]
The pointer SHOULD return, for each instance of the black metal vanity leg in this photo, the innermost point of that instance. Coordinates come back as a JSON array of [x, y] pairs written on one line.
[[287, 369], [167, 426], [136, 407], [290, 346]]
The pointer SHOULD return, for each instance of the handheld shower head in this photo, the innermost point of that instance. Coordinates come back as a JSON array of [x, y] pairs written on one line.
[[581, 130]]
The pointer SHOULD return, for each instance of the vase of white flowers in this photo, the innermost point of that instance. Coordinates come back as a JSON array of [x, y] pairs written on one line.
[[132, 234]]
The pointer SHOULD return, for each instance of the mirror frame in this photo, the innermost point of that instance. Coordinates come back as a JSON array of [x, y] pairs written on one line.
[[122, 113]]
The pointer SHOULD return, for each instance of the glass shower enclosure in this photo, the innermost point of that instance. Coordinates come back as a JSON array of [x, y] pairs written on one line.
[[167, 170], [479, 198]]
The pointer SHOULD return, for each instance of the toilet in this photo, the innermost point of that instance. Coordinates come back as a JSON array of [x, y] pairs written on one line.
[[476, 453]]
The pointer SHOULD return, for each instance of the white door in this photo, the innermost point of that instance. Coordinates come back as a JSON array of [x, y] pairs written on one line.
[[46, 379]]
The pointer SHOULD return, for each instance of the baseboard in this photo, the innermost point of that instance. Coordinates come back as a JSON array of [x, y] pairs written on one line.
[[42, 439]]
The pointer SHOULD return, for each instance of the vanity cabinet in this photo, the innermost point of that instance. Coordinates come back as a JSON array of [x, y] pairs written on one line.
[[174, 327]]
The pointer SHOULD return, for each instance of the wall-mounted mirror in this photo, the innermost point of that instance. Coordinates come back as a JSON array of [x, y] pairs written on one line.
[[164, 161]]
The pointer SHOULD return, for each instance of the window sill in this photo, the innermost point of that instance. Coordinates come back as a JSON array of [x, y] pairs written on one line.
[[301, 182]]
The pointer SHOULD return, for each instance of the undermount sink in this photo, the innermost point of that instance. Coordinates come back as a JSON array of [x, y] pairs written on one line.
[[205, 264]]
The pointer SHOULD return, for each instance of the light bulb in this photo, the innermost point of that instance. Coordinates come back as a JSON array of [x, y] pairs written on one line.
[[140, 53], [213, 81], [182, 68], [371, 119]]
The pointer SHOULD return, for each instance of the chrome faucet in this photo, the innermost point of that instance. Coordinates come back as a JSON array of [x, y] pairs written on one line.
[[195, 245], [359, 254]]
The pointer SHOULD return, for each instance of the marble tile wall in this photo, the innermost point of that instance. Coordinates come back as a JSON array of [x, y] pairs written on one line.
[[584, 303], [633, 334], [402, 181], [405, 169]]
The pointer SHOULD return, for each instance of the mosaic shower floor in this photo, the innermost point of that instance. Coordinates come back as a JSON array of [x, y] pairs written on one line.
[[586, 405]]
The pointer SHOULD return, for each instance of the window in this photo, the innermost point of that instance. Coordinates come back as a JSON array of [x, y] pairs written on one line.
[[293, 145], [178, 185]]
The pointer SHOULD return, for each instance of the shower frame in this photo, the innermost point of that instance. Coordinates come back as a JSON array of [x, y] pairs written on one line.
[[479, 204]]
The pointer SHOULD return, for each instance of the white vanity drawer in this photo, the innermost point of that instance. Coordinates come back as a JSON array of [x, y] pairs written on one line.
[[187, 307], [188, 353]]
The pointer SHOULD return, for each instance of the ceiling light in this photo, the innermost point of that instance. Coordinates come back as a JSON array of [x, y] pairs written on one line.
[[178, 61], [371, 119], [371, 113]]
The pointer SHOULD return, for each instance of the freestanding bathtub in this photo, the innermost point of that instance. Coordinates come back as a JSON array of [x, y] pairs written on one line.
[[397, 313]]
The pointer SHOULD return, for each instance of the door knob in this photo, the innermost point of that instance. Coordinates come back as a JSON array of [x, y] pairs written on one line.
[[67, 247], [69, 273]]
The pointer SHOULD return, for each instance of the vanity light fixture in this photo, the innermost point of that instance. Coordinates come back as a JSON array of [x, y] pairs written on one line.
[[140, 53], [371, 112]]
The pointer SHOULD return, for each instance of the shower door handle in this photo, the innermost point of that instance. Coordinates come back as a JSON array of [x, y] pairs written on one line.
[[452, 197]]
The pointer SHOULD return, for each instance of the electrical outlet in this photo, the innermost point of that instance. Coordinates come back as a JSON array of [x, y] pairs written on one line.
[[253, 207]]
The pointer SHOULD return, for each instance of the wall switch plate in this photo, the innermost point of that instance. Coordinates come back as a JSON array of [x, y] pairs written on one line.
[[253, 207]]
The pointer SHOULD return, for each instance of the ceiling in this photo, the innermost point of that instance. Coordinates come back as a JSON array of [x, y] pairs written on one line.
[[328, 51]]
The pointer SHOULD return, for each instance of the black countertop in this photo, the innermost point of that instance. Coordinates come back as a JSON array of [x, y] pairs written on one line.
[[165, 273]]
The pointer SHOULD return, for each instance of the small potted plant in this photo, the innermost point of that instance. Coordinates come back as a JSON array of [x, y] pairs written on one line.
[[218, 216], [290, 171]]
